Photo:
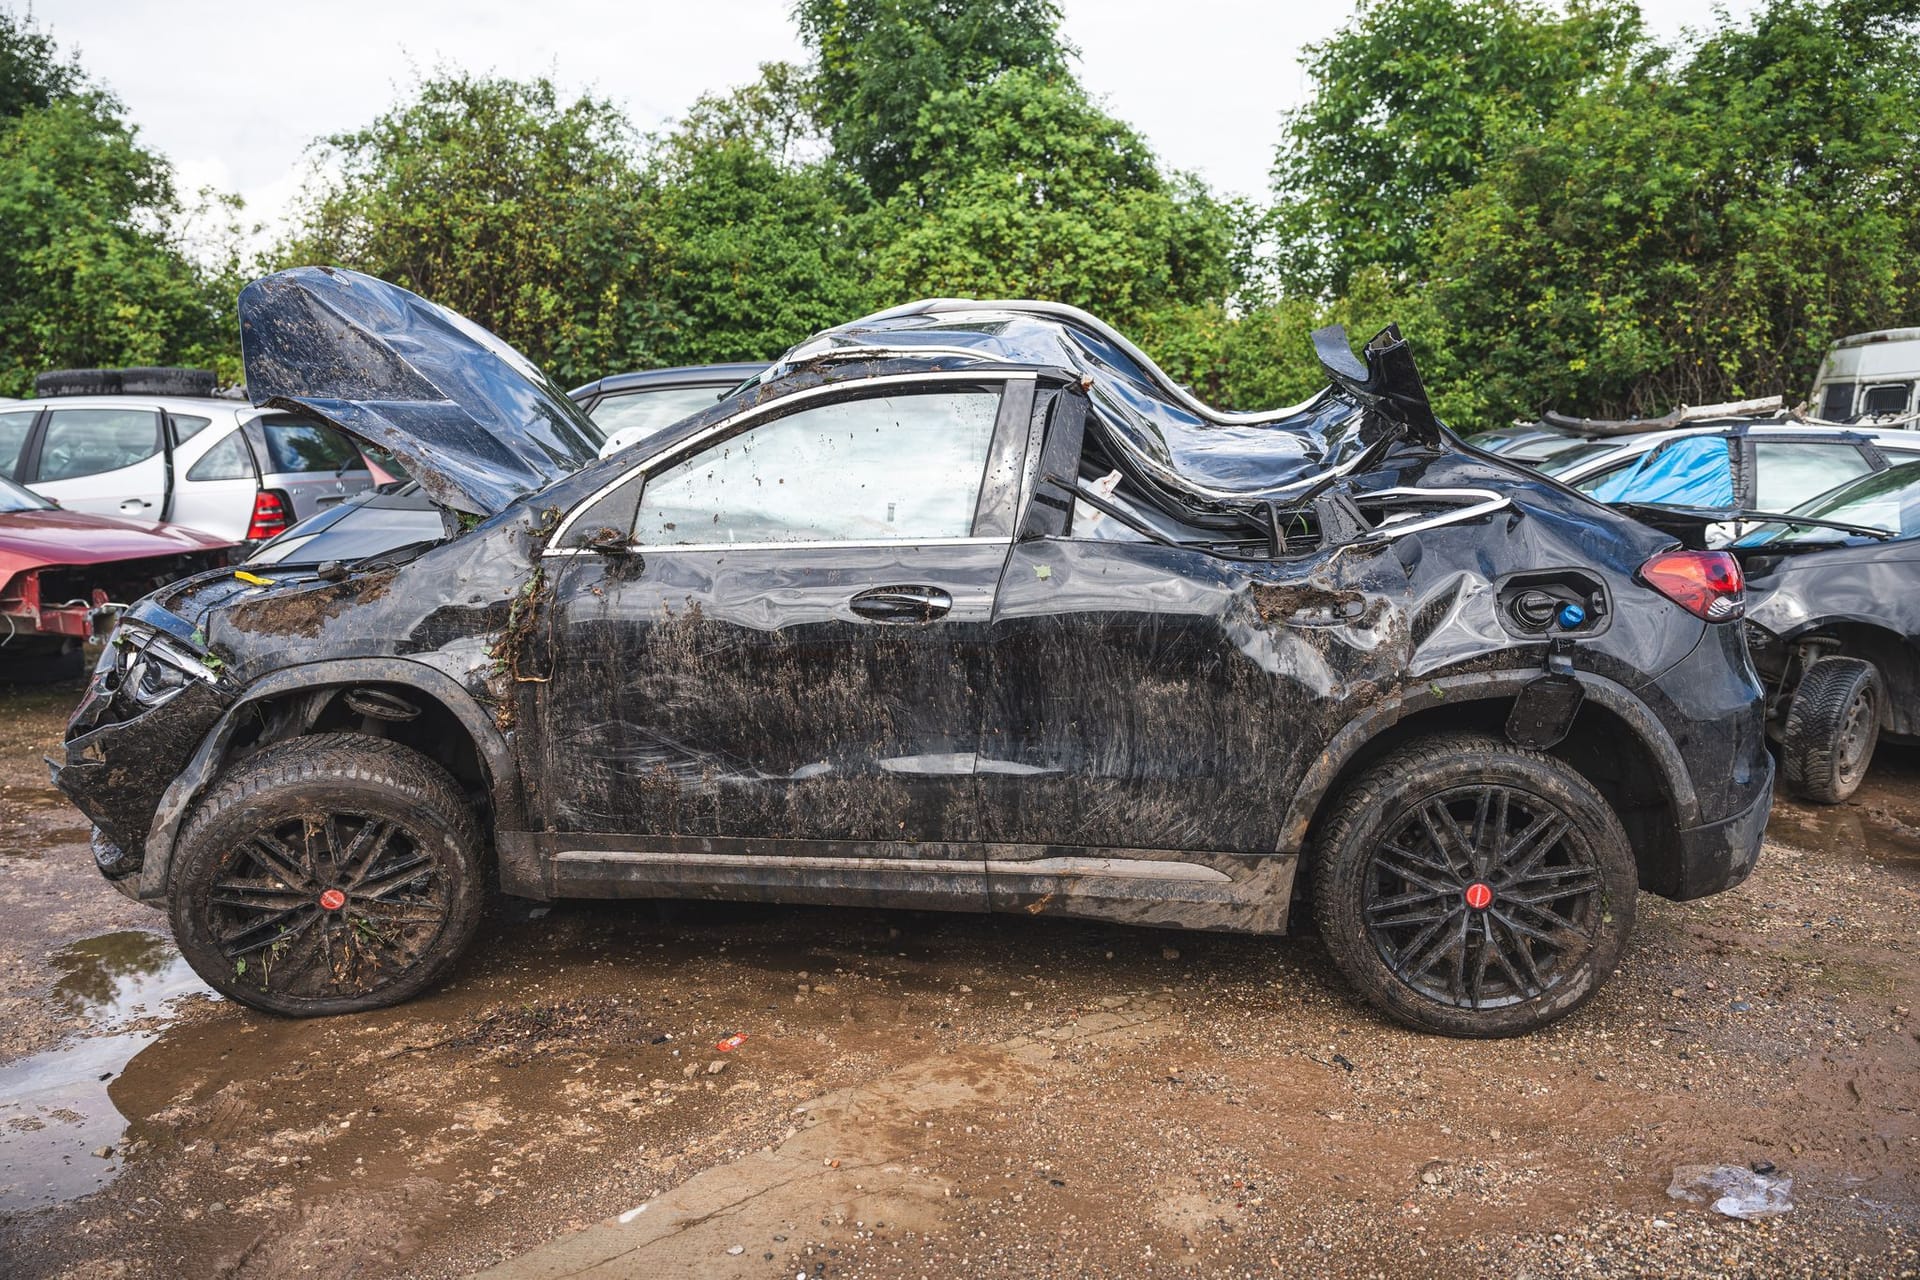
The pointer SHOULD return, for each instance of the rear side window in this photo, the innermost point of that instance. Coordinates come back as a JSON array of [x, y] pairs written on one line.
[[1836, 401], [294, 446], [14, 427], [649, 410], [88, 442], [186, 426], [228, 460], [1788, 474]]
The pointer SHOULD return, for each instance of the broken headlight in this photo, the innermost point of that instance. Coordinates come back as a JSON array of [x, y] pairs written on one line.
[[150, 669]]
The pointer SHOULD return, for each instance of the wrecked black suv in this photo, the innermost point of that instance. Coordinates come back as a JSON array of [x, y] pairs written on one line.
[[962, 605]]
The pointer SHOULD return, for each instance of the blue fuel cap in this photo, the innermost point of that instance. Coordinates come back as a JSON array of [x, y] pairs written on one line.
[[1571, 616]]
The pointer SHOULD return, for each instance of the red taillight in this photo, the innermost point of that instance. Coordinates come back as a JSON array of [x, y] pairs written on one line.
[[270, 515], [1707, 584]]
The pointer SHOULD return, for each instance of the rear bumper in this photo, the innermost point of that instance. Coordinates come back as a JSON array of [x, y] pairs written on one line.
[[1719, 855]]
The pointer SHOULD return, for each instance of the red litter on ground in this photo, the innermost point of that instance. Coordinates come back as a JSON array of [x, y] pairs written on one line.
[[731, 1043]]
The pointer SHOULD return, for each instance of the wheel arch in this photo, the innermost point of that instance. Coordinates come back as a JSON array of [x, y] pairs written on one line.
[[1894, 655], [304, 699], [1616, 744]]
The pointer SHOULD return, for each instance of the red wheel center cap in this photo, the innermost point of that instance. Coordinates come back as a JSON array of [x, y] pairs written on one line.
[[1479, 895], [333, 899]]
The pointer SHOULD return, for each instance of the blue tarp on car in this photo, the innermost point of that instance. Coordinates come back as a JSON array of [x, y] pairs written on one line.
[[1691, 472]]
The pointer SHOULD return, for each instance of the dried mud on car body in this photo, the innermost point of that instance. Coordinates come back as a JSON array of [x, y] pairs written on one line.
[[1003, 1096]]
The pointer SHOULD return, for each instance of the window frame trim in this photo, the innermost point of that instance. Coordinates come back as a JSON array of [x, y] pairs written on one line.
[[748, 418]]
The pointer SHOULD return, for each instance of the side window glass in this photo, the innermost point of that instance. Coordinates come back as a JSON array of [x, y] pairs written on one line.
[[871, 470], [14, 426], [186, 426], [1591, 485], [295, 446], [650, 410], [1836, 401], [1787, 474], [228, 460], [87, 442]]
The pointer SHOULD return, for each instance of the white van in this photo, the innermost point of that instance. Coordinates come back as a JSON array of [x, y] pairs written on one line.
[[1869, 376]]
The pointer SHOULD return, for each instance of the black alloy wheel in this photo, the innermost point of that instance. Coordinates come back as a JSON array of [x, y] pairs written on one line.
[[328, 874], [1474, 888]]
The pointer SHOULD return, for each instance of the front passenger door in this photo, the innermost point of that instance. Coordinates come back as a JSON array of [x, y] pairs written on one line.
[[112, 462]]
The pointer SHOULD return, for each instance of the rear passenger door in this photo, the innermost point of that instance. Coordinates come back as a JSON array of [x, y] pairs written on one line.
[[110, 461]]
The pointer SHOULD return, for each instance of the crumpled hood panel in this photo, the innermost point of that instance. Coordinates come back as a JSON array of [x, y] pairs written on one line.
[[473, 420]]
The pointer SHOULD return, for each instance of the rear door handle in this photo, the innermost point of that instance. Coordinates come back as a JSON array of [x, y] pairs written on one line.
[[902, 604], [135, 504]]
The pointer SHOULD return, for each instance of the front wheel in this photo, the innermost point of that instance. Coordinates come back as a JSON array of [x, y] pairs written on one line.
[[1469, 887], [328, 874]]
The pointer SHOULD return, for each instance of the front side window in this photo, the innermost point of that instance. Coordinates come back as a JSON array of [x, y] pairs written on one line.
[[891, 468], [1836, 401], [1787, 474], [87, 442]]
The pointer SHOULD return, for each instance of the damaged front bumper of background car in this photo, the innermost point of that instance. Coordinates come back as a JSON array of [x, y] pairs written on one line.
[[155, 695]]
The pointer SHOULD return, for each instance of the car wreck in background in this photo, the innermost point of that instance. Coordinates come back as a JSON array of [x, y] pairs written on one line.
[[63, 572], [1833, 611], [963, 605]]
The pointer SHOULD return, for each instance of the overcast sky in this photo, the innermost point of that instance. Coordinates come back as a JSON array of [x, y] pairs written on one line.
[[233, 92]]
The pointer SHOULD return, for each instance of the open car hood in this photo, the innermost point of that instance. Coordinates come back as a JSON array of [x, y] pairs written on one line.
[[473, 420]]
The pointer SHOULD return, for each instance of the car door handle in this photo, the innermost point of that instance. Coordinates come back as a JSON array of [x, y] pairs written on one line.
[[135, 504], [902, 604]]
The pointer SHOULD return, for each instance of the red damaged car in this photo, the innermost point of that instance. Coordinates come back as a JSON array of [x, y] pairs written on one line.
[[57, 568]]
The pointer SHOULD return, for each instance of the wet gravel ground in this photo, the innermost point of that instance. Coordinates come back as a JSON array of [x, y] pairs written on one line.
[[927, 1095]]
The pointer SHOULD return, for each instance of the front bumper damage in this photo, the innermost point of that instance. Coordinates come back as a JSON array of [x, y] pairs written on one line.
[[149, 706]]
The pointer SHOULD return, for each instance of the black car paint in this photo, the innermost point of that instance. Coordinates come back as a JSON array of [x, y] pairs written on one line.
[[1099, 725]]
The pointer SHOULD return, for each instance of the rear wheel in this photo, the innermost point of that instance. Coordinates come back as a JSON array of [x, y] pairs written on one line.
[[328, 874], [1472, 888], [1832, 728]]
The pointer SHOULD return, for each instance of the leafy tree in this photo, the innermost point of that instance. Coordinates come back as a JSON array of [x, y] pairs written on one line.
[[497, 199], [1029, 190], [92, 268], [1698, 230], [755, 243], [879, 61], [1410, 101]]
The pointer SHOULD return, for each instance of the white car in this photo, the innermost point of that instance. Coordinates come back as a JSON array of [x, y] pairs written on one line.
[[1772, 468], [220, 466], [1870, 376]]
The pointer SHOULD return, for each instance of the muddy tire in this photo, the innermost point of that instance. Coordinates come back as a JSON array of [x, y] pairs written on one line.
[[328, 874], [1832, 728], [1469, 887]]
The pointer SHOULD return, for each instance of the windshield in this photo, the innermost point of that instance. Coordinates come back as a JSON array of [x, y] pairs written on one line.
[[13, 498], [1887, 500]]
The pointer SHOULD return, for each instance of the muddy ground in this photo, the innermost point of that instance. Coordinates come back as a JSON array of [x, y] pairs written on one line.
[[926, 1095]]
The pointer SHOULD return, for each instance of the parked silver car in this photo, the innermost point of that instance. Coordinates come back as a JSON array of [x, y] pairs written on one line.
[[220, 466]]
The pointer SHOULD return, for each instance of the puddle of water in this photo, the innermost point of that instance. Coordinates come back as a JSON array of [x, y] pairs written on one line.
[[54, 1108]]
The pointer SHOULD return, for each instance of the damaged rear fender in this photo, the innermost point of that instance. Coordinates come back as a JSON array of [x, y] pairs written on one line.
[[501, 774], [1492, 693]]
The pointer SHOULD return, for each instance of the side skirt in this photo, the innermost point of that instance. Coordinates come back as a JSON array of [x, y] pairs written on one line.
[[1174, 889]]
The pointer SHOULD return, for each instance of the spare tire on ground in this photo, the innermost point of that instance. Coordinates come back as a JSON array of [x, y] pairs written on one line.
[[144, 380]]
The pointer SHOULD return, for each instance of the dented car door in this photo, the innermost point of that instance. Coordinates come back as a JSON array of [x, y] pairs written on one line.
[[773, 653]]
